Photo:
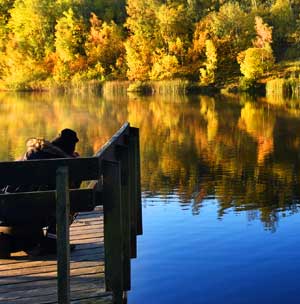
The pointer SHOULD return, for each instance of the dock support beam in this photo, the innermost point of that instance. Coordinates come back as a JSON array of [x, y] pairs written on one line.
[[63, 244], [134, 132], [122, 154], [113, 226]]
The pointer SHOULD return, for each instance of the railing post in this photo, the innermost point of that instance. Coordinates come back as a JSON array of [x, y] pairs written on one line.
[[133, 197], [122, 154], [113, 238], [63, 247], [136, 144]]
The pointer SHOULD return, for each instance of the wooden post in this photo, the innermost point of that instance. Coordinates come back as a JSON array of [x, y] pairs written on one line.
[[63, 247], [133, 197], [135, 133], [122, 154], [113, 243]]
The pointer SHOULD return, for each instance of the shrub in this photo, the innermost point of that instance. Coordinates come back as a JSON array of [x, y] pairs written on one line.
[[254, 62], [139, 87]]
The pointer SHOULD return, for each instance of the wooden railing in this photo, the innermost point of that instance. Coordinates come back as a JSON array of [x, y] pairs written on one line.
[[114, 175]]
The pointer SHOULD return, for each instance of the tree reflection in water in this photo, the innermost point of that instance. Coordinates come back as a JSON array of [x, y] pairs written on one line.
[[243, 152]]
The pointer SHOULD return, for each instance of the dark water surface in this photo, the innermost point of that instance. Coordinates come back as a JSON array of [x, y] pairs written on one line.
[[220, 182]]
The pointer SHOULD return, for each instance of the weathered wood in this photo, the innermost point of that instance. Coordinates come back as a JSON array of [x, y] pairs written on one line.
[[47, 267], [133, 197], [31, 280], [49, 294], [63, 242], [107, 152], [135, 133], [77, 296], [122, 154], [44, 171], [31, 266], [50, 273], [113, 229], [32, 206], [46, 287], [115, 171]]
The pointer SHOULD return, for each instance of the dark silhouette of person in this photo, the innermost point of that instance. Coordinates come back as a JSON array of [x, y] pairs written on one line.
[[39, 237]]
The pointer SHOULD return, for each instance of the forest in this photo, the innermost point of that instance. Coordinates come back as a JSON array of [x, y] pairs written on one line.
[[57, 43]]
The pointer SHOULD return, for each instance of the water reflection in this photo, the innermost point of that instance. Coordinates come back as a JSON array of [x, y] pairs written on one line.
[[243, 152], [26, 115]]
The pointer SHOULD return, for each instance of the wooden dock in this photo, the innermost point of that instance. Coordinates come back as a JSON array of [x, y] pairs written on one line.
[[25, 279], [99, 269]]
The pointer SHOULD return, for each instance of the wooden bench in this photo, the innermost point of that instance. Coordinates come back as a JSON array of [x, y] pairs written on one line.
[[113, 176]]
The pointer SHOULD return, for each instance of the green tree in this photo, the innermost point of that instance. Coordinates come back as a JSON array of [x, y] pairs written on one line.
[[284, 24], [107, 10]]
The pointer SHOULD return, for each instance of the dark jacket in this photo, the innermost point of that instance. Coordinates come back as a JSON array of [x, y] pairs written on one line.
[[38, 148]]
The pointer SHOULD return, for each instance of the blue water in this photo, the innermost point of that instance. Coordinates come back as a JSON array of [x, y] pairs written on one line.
[[201, 259]]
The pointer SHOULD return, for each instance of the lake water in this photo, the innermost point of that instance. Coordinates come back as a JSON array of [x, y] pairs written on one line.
[[220, 187]]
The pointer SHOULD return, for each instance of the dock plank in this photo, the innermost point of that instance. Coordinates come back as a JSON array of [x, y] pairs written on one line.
[[25, 279]]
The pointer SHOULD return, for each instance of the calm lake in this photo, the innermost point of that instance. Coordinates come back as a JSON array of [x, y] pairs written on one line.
[[220, 186]]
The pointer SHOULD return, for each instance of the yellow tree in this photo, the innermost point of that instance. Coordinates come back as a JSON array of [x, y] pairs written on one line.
[[138, 58], [69, 44], [104, 46], [141, 43], [255, 61], [69, 36], [208, 73]]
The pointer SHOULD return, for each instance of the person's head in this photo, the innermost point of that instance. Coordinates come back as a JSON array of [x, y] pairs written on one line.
[[66, 141]]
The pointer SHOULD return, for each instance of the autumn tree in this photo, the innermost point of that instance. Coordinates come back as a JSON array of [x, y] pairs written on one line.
[[32, 25], [208, 73], [196, 53], [138, 58], [173, 39], [69, 45], [263, 34], [166, 28], [231, 30], [173, 22], [165, 67], [141, 43], [5, 6], [104, 46], [255, 61], [29, 38]]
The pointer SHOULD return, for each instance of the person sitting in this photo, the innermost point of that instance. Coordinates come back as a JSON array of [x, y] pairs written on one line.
[[41, 236]]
